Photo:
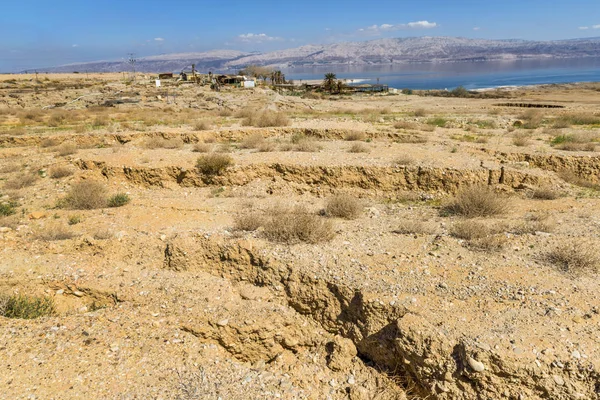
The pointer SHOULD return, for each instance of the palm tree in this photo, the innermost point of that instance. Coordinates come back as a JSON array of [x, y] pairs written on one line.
[[329, 81]]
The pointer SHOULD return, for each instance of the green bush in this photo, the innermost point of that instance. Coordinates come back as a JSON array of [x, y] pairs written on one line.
[[26, 307], [7, 209], [118, 200]]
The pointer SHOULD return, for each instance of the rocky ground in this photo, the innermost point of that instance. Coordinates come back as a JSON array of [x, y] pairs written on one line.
[[166, 297]]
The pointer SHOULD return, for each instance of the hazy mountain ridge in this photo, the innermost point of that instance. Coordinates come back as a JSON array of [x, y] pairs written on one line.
[[380, 51]]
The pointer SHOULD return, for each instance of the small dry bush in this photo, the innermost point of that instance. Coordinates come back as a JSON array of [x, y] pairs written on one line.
[[564, 121], [57, 118], [295, 225], [252, 141], [359, 148], [545, 193], [265, 119], [477, 201], [103, 234], [249, 222], [224, 113], [535, 223], [60, 171], [7, 169], [404, 160], [343, 206], [21, 181], [53, 232], [354, 136], [266, 147], [202, 148], [31, 116], [100, 120], [406, 125], [162, 143], [85, 195], [574, 179], [420, 112], [26, 307], [308, 146], [414, 139], [478, 236], [520, 139], [575, 257], [413, 227], [48, 142], [213, 163], [202, 125], [533, 119], [66, 149]]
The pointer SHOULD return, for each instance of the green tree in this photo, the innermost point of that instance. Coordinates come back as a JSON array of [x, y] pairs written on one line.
[[329, 83]]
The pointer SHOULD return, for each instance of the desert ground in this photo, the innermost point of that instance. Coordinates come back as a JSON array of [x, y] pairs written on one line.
[[182, 243]]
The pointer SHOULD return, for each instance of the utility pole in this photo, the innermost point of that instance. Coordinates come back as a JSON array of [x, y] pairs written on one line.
[[131, 61]]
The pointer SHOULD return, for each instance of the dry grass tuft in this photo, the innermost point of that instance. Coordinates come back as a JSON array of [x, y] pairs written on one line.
[[404, 160], [354, 136], [413, 227], [252, 141], [26, 307], [249, 222], [545, 193], [406, 125], [420, 112], [359, 148], [295, 225], [574, 179], [60, 171], [66, 149], [478, 236], [22, 181], [53, 232], [415, 139], [7, 169], [85, 195], [532, 119], [266, 147], [343, 206], [308, 146], [202, 148], [48, 142], [202, 125], [521, 139], [266, 119], [477, 201], [213, 163], [575, 257]]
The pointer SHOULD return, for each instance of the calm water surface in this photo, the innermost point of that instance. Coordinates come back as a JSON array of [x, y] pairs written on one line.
[[472, 75]]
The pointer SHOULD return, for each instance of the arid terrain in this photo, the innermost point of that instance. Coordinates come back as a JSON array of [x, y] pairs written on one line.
[[181, 243]]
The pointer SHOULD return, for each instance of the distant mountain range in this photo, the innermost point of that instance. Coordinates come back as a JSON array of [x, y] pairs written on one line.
[[380, 51]]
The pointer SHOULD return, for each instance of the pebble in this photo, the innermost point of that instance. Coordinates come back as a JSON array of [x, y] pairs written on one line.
[[351, 380], [223, 322], [78, 293], [558, 380], [475, 365], [60, 291], [576, 354]]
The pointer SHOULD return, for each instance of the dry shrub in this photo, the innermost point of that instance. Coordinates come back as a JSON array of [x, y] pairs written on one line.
[[308, 146], [162, 143], [249, 222], [574, 179], [564, 121], [48, 142], [57, 118], [414, 139], [535, 223], [266, 147], [573, 146], [545, 193], [213, 163], [295, 225], [103, 234], [209, 139], [201, 148], [404, 160], [224, 113], [85, 195], [575, 257], [225, 148], [520, 139], [420, 112], [478, 236], [66, 149], [7, 169], [10, 221], [266, 119], [413, 227], [52, 232], [60, 171], [252, 141], [31, 116], [359, 148], [533, 119], [355, 135], [406, 125], [22, 181], [202, 125], [477, 201], [100, 120], [343, 206]]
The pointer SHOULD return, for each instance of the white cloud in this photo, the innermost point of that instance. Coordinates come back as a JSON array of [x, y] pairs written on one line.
[[476, 28], [75, 45], [596, 27], [584, 28], [159, 39], [377, 29], [257, 38]]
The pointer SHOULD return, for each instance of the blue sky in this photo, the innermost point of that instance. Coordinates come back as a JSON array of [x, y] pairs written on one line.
[[38, 33]]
